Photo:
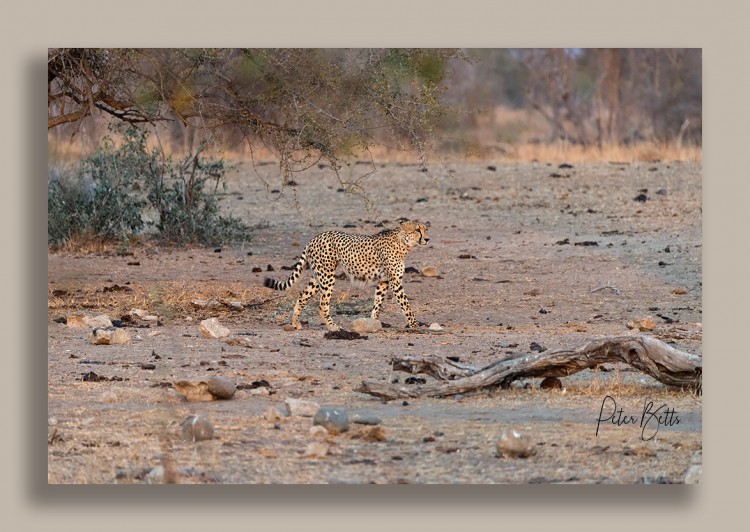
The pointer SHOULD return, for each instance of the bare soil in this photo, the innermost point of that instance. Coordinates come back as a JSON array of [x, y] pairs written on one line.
[[517, 264]]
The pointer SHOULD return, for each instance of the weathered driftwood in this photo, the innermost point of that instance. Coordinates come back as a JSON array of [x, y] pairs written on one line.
[[645, 353]]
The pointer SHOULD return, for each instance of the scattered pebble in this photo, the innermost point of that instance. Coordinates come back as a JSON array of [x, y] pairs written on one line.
[[109, 336], [273, 414], [196, 428], [679, 291], [211, 328], [335, 420], [300, 407], [429, 271], [221, 387], [102, 321], [366, 419], [374, 434], [435, 327], [513, 444], [646, 324], [316, 449], [194, 391], [537, 347], [366, 325], [318, 432]]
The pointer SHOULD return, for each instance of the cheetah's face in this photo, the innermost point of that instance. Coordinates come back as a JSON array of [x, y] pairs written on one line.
[[414, 234]]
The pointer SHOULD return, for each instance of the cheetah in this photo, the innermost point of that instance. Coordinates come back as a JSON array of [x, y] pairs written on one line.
[[366, 259]]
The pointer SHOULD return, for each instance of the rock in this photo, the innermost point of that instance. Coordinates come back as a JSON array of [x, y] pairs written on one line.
[[366, 325], [435, 327], [299, 407], [513, 444], [259, 391], [76, 322], [239, 341], [365, 419], [335, 420], [318, 432], [316, 449], [205, 303], [138, 312], [273, 414], [288, 327], [102, 321], [52, 421], [194, 391], [646, 324], [695, 471], [156, 475], [150, 317], [429, 271], [551, 383], [679, 291], [221, 387], [211, 328], [109, 336], [196, 428], [374, 434]]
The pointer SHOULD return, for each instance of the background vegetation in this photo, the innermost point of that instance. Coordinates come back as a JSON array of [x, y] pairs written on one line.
[[303, 106]]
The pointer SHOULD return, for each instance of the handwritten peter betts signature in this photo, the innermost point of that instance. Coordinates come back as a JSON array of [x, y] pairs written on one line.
[[652, 418]]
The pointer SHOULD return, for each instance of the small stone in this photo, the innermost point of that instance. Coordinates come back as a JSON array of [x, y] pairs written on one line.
[[429, 271], [211, 328], [318, 432], [150, 317], [366, 419], [679, 291], [273, 414], [646, 324], [513, 444], [196, 428], [221, 387], [138, 312], [374, 434], [194, 391], [156, 475], [300, 407], [335, 420], [108, 396], [435, 327], [288, 327], [316, 449], [693, 474], [76, 322], [51, 421], [259, 391], [551, 383], [109, 336], [102, 321], [366, 325]]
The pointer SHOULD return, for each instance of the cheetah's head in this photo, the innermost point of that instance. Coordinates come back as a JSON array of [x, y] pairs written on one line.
[[414, 233]]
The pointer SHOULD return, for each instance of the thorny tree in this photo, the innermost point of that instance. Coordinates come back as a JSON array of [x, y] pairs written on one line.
[[303, 104]]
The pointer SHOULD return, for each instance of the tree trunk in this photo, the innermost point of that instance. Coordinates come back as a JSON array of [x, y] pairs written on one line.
[[645, 353]]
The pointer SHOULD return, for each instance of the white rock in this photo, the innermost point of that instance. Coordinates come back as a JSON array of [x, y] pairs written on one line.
[[138, 312], [366, 325], [109, 336], [435, 327], [300, 407], [318, 432], [316, 449], [211, 328], [102, 321]]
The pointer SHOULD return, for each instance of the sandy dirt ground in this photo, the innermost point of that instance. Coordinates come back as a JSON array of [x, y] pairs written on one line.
[[513, 245]]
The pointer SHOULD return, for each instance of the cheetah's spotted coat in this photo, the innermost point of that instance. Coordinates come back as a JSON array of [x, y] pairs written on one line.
[[365, 259]]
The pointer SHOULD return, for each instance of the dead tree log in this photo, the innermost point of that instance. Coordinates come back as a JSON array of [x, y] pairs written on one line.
[[645, 353]]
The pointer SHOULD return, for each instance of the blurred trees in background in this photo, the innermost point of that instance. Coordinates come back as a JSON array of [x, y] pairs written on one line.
[[304, 104], [592, 96]]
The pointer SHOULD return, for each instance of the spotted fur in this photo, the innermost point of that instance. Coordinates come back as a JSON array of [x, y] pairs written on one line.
[[366, 259]]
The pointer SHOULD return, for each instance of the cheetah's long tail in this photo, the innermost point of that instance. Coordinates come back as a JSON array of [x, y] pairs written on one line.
[[286, 285]]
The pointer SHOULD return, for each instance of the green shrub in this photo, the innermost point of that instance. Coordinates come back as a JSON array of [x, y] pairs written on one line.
[[113, 189]]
